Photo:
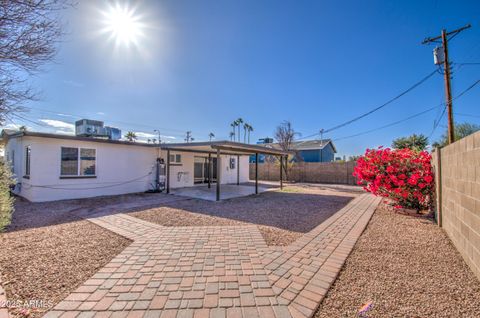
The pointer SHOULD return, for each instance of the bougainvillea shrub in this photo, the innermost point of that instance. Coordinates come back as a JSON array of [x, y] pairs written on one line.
[[404, 176]]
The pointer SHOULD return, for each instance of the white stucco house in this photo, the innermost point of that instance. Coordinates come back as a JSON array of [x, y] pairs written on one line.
[[52, 167]]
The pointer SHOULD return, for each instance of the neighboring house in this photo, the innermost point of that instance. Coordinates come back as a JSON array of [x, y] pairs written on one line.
[[307, 150], [54, 166], [315, 150]]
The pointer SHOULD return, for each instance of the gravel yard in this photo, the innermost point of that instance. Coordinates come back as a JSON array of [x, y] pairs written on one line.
[[47, 254], [407, 267], [282, 216]]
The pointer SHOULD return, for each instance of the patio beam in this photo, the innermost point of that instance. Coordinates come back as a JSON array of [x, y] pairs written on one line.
[[213, 152], [240, 150], [281, 172], [209, 170], [256, 173], [168, 171], [218, 174], [238, 169]]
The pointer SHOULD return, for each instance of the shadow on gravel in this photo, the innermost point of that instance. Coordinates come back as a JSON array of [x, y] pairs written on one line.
[[293, 211]]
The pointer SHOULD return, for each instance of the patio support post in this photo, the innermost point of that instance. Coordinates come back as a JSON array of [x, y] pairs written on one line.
[[209, 170], [281, 172], [256, 173], [218, 174], [238, 169], [168, 171]]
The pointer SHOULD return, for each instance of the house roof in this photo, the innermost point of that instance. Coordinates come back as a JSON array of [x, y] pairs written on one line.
[[306, 145], [313, 144], [225, 147]]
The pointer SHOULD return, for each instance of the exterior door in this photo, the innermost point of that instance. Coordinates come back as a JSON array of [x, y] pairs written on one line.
[[200, 169]]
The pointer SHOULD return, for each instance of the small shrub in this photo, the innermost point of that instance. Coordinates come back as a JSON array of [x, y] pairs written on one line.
[[405, 176], [6, 201]]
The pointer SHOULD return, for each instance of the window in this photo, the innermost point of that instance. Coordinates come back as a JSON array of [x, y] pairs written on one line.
[[175, 158], [27, 161], [87, 162], [78, 162]]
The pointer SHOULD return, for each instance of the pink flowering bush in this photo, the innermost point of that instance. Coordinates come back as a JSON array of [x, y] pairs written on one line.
[[404, 176]]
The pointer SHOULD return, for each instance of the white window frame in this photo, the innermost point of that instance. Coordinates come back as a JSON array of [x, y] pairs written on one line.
[[79, 162], [175, 156]]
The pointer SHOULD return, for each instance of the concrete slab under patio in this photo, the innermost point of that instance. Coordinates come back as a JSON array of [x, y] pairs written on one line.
[[229, 191]]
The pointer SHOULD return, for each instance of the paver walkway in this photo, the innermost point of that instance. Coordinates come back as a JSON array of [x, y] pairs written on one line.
[[216, 271]]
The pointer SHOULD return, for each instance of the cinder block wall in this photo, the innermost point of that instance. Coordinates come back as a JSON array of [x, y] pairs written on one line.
[[316, 172], [458, 196]]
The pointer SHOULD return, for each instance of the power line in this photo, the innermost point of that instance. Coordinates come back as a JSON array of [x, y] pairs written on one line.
[[389, 125], [467, 115], [60, 113], [423, 80], [412, 116]]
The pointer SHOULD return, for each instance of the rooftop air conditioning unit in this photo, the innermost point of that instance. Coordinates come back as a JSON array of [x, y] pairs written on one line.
[[95, 128]]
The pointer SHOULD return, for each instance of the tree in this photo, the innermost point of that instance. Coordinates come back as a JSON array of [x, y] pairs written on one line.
[[249, 130], [211, 136], [29, 34], [414, 142], [6, 200], [232, 136], [285, 136], [460, 131], [131, 136], [22, 128], [239, 122], [245, 127], [233, 125]]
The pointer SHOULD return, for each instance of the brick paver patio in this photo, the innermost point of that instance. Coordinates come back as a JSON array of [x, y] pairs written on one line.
[[216, 271]]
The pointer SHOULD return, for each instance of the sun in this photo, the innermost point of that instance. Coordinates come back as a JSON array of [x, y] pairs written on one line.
[[123, 24]]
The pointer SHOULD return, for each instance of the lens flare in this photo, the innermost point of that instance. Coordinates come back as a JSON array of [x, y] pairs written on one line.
[[123, 25]]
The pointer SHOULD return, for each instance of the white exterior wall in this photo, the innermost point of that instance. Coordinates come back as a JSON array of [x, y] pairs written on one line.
[[120, 169], [228, 175], [181, 175]]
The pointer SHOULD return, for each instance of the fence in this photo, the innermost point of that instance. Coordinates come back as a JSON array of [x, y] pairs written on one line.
[[457, 173], [316, 172]]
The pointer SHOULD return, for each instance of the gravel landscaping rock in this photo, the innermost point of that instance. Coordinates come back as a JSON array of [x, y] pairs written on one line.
[[282, 216], [407, 267], [45, 262]]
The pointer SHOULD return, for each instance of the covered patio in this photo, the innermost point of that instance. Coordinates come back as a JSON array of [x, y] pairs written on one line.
[[229, 191], [215, 149]]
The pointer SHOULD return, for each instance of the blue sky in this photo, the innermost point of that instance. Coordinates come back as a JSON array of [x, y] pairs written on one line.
[[202, 64]]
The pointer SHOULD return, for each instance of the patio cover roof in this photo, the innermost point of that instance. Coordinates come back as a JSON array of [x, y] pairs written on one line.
[[225, 147]]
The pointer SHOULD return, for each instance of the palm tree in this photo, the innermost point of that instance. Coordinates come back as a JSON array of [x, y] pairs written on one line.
[[22, 128], [239, 122], [211, 135], [232, 136], [233, 125], [249, 130], [245, 129], [131, 136]]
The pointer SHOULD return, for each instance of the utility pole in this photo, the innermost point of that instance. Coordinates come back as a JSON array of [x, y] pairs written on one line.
[[446, 65], [189, 137], [159, 137]]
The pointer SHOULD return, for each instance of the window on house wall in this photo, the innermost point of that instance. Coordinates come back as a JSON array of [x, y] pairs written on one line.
[[175, 158], [27, 160], [87, 162], [78, 162]]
